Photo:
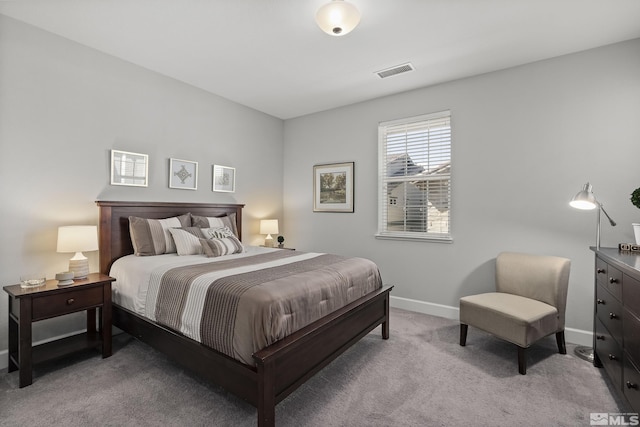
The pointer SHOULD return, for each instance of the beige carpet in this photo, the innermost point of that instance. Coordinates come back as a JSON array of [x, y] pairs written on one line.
[[419, 377]]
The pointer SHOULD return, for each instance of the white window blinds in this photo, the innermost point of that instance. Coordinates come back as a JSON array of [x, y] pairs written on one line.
[[415, 178]]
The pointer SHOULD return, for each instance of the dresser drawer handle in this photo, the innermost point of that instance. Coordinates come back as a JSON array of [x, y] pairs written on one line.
[[612, 280], [632, 385], [600, 337], [600, 301], [612, 357], [600, 271], [70, 301], [613, 316]]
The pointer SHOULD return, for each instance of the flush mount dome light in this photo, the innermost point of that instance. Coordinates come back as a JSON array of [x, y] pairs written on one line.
[[337, 18]]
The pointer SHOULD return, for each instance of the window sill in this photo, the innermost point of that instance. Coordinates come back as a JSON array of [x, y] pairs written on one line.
[[430, 239]]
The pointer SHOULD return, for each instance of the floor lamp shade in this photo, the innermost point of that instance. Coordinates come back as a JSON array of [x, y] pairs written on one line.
[[268, 227], [77, 239]]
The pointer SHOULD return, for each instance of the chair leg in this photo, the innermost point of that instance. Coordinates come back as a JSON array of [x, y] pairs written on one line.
[[463, 334], [562, 348], [522, 360]]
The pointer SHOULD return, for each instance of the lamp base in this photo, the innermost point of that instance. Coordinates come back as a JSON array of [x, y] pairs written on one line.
[[585, 353], [79, 267], [268, 242]]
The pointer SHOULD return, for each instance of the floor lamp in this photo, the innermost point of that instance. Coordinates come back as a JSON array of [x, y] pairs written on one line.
[[585, 200]]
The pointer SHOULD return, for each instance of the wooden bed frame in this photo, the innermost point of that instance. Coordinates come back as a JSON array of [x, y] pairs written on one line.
[[280, 368]]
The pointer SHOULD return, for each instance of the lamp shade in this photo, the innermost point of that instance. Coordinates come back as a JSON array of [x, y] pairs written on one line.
[[584, 199], [337, 17], [269, 226], [77, 238]]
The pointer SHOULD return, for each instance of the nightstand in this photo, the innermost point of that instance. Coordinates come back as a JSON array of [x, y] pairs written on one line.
[[31, 305]]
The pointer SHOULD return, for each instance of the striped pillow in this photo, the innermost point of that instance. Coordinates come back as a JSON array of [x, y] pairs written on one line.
[[219, 247], [152, 236], [187, 240], [216, 222]]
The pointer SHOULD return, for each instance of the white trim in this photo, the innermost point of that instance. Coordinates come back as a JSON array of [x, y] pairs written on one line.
[[571, 335], [4, 354]]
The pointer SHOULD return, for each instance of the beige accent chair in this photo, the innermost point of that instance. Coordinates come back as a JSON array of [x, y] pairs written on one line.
[[529, 303]]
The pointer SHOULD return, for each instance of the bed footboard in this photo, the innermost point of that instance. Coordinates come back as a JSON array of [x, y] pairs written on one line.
[[287, 364]]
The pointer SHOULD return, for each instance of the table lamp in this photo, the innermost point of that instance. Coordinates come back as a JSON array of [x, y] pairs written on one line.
[[268, 227], [78, 239]]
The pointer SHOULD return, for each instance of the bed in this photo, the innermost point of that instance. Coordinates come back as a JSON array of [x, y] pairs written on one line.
[[275, 371]]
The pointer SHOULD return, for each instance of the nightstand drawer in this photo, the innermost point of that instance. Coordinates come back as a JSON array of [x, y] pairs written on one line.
[[66, 302]]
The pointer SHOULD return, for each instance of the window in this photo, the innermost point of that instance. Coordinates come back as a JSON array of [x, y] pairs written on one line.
[[415, 178]]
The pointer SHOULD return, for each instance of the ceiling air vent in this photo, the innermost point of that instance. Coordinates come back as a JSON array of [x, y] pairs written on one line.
[[398, 69]]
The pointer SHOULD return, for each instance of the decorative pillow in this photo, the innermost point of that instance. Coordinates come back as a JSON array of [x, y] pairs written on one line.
[[216, 222], [218, 247], [187, 240], [216, 233], [152, 236]]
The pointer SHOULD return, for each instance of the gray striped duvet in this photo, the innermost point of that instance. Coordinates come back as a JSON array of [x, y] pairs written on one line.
[[239, 305]]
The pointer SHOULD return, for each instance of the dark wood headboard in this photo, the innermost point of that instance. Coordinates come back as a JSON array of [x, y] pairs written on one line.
[[114, 238]]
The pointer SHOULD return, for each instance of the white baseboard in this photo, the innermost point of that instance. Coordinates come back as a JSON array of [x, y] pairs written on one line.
[[574, 336], [4, 354]]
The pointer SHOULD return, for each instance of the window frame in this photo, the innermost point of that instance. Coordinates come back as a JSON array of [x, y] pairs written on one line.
[[384, 180]]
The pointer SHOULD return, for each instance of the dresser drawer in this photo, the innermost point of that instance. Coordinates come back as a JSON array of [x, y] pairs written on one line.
[[614, 282], [610, 354], [632, 335], [631, 384], [66, 302], [601, 272], [609, 311], [631, 294]]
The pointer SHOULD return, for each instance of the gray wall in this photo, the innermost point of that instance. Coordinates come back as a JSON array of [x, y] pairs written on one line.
[[63, 107], [525, 140]]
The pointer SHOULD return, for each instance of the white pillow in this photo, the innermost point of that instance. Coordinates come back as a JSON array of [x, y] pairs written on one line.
[[186, 242]]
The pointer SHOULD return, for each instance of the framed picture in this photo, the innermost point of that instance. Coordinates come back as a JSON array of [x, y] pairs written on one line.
[[224, 179], [129, 169], [333, 187], [183, 174]]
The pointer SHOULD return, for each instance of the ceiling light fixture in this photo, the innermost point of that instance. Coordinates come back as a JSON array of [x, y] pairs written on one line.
[[337, 17]]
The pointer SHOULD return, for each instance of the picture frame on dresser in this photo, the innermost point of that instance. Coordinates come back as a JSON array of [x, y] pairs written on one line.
[[128, 168], [183, 174]]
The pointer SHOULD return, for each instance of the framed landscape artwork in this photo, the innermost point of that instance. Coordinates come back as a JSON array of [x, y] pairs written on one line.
[[183, 174], [333, 187], [224, 179]]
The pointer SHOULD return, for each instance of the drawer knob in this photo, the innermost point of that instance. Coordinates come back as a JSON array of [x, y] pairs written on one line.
[[612, 357], [612, 280], [600, 270], [600, 337], [70, 301], [600, 301], [632, 385], [613, 316]]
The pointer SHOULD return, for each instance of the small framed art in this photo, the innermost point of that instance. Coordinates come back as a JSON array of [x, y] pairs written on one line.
[[333, 187], [183, 174], [129, 168], [224, 179]]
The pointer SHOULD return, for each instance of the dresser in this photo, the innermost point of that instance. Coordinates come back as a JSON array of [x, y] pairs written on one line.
[[616, 340]]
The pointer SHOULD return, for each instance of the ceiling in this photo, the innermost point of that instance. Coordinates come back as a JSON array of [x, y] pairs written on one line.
[[271, 56]]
